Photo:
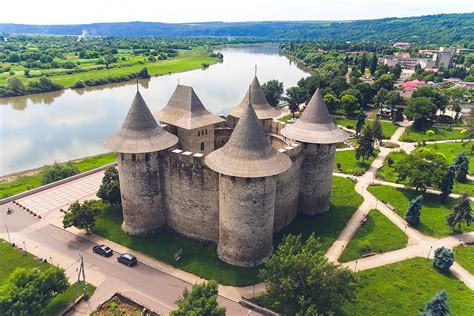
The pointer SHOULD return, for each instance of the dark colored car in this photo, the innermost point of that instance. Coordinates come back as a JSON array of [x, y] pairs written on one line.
[[127, 259], [102, 250]]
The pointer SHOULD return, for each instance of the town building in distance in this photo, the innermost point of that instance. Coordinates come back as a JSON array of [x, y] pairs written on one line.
[[233, 181]]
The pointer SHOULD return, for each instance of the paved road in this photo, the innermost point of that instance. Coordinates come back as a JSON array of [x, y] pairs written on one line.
[[147, 285]]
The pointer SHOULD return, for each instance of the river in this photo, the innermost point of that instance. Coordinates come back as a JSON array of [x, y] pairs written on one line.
[[60, 126]]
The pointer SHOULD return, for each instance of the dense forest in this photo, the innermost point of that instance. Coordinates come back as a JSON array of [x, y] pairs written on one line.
[[439, 29]]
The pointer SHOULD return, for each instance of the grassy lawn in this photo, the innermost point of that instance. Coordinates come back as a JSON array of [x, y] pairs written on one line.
[[403, 288], [451, 150], [186, 60], [378, 234], [10, 259], [389, 174], [464, 255], [349, 164], [412, 135], [433, 214], [287, 118], [388, 128], [26, 183], [202, 260]]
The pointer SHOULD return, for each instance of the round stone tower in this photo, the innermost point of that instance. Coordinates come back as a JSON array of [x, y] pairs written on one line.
[[140, 144], [319, 136], [247, 167]]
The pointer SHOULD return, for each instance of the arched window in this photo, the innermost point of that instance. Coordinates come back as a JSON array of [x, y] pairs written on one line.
[[202, 146], [206, 131], [134, 157]]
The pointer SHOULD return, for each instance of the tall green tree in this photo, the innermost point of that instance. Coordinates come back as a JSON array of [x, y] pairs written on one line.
[[28, 291], [462, 213], [437, 305], [349, 104], [373, 64], [56, 172], [109, 190], [201, 300], [363, 63], [331, 102], [380, 97], [422, 111], [15, 84], [81, 215], [301, 279], [294, 96], [443, 259], [360, 122], [461, 163], [413, 213], [423, 168], [273, 89], [365, 149], [434, 94], [447, 184], [377, 130]]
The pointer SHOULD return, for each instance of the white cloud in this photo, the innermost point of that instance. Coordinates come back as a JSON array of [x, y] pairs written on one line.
[[55, 12]]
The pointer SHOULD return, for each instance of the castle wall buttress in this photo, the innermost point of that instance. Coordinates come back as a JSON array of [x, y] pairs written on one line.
[[316, 178], [192, 196]]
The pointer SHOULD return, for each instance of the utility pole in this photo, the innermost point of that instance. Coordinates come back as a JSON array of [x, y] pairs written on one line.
[[8, 234], [80, 273]]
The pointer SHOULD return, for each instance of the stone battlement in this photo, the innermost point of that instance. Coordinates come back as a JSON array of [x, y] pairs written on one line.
[[187, 157]]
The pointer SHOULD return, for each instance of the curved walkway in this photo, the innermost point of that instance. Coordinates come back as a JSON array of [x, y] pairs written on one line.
[[419, 245]]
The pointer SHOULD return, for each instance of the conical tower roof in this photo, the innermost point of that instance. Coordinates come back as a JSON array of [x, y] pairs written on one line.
[[185, 110], [315, 125], [140, 132], [248, 154], [260, 105]]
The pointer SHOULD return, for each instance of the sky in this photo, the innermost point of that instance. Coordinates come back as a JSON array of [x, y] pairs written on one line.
[[90, 11]]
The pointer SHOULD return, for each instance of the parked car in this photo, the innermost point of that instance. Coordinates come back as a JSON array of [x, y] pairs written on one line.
[[127, 259], [102, 250]]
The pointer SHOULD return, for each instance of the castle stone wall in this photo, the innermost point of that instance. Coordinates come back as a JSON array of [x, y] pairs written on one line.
[[141, 188], [287, 189], [316, 178], [198, 140], [246, 211], [192, 197]]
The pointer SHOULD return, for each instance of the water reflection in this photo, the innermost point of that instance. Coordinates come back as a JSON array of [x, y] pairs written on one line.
[[60, 126]]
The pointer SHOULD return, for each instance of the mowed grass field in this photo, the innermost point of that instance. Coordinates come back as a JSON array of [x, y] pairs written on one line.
[[378, 234], [26, 183], [403, 288], [349, 164], [388, 128], [464, 255], [433, 213], [11, 258], [202, 260], [186, 60], [449, 150], [412, 135]]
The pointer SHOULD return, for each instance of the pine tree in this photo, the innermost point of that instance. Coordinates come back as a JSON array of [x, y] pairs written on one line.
[[437, 306], [443, 259], [109, 190], [447, 184], [366, 145], [360, 122], [363, 64], [373, 64], [461, 163], [461, 213], [377, 130], [413, 213]]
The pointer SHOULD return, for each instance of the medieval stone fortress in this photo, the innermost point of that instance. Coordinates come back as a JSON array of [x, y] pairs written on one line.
[[233, 181]]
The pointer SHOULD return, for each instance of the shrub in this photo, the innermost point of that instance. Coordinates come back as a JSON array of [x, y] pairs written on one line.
[[390, 145], [350, 126], [430, 132], [58, 172], [79, 84], [443, 259]]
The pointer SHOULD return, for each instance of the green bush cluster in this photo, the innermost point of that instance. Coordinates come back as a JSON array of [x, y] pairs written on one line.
[[58, 172]]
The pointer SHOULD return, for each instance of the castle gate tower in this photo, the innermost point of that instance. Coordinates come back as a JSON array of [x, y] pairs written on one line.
[[140, 145], [265, 112], [319, 136], [189, 120], [247, 167]]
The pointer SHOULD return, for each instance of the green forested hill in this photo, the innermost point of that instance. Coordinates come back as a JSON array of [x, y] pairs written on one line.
[[439, 29]]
